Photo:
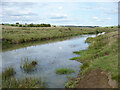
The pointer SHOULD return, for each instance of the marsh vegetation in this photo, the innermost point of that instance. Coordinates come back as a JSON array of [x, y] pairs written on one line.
[[8, 72], [28, 65], [10, 81], [64, 71]]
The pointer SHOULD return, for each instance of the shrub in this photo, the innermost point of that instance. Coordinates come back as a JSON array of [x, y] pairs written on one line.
[[17, 22], [12, 24], [20, 25]]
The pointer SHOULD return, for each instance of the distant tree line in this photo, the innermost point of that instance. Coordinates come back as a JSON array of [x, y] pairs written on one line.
[[80, 26], [28, 25], [39, 25]]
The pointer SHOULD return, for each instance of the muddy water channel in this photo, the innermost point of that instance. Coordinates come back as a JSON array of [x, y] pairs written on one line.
[[50, 56]]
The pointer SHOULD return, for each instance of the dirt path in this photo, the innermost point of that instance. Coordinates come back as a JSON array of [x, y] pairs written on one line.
[[94, 79]]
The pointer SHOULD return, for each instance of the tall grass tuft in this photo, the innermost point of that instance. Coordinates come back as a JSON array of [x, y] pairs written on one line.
[[8, 72], [28, 65], [64, 71]]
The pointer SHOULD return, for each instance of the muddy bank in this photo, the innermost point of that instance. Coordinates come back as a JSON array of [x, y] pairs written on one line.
[[96, 79]]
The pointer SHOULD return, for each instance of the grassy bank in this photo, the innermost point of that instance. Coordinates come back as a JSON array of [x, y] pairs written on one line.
[[102, 53], [17, 35], [23, 45]]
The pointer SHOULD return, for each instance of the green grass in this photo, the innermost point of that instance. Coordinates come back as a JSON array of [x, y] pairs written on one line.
[[9, 81], [64, 71], [17, 35], [8, 72], [108, 63], [89, 39], [25, 83], [102, 53], [28, 65], [71, 84]]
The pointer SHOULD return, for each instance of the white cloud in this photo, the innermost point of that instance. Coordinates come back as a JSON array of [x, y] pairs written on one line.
[[58, 16], [101, 19], [59, 13], [112, 12], [60, 7], [60, 0], [96, 18], [16, 11], [108, 18]]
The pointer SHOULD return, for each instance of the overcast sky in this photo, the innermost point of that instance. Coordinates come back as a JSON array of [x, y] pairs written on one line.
[[61, 13]]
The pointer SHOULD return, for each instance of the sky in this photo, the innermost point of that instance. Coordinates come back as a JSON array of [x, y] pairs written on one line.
[[61, 13]]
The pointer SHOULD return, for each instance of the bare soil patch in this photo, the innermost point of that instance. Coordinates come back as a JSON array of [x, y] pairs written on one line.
[[94, 79]]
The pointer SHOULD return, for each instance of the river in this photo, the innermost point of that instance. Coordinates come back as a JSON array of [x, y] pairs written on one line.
[[50, 56]]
